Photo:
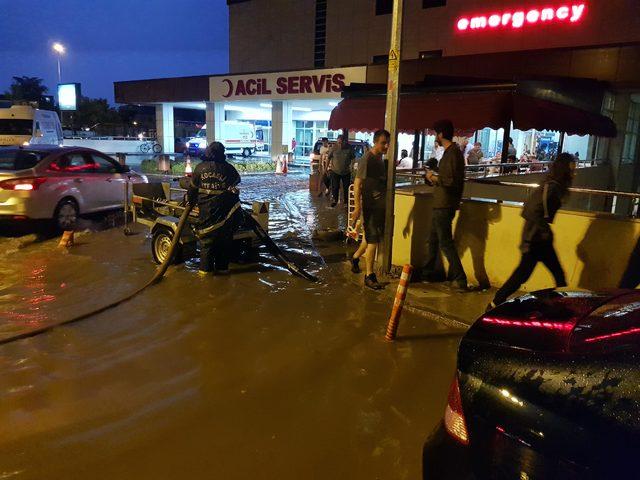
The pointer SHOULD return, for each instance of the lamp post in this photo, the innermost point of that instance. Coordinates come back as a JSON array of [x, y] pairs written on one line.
[[60, 50], [391, 125]]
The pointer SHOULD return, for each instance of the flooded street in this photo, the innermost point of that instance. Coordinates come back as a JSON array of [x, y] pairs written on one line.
[[256, 375]]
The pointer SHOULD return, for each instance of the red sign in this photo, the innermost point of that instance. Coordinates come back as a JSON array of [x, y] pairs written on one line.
[[519, 18]]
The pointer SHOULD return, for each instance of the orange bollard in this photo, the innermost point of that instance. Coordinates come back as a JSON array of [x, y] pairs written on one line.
[[401, 294], [67, 239]]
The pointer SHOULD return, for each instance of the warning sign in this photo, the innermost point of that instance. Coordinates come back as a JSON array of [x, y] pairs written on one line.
[[393, 55]]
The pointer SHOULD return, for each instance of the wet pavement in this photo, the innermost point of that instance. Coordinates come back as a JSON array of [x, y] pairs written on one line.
[[255, 375]]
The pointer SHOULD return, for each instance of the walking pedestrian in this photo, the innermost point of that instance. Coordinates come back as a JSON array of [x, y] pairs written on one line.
[[369, 196], [340, 159], [448, 185], [537, 238]]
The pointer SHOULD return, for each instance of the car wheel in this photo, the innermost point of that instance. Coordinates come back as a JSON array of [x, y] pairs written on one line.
[[246, 152], [161, 246], [66, 215]]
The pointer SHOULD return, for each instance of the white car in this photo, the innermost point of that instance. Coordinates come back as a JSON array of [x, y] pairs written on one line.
[[60, 183]]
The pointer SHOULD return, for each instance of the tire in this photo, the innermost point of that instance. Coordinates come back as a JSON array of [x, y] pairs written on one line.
[[160, 245], [246, 152], [157, 148], [65, 215], [145, 147]]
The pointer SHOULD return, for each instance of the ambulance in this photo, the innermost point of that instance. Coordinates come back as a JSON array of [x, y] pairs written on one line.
[[241, 138]]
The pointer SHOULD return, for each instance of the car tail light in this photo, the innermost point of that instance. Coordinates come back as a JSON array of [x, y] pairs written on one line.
[[454, 416], [23, 184]]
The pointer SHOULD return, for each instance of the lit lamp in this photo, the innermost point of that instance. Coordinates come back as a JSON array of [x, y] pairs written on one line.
[[60, 50]]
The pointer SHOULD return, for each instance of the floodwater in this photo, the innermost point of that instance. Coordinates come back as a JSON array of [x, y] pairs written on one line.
[[259, 375]]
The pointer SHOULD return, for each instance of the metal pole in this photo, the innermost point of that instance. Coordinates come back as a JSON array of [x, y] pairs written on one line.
[[59, 71], [391, 125], [560, 144]]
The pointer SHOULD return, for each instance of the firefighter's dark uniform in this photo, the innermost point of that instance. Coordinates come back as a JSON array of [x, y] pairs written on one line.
[[212, 189]]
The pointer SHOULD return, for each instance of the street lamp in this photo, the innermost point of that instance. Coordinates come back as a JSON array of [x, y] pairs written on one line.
[[60, 50]]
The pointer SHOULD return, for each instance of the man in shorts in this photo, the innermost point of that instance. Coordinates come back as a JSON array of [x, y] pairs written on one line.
[[369, 195]]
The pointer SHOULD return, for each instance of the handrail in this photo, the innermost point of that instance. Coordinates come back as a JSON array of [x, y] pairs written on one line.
[[590, 191]]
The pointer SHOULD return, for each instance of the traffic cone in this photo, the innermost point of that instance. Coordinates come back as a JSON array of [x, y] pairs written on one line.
[[187, 169], [67, 239], [398, 303], [278, 164], [285, 164]]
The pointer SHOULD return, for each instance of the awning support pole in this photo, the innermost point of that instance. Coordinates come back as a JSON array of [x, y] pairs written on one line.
[[416, 148], [560, 143], [391, 125], [505, 143]]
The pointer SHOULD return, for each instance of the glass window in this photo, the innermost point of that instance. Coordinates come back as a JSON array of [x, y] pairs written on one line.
[[631, 134], [18, 159], [71, 162], [103, 165], [384, 7], [16, 127]]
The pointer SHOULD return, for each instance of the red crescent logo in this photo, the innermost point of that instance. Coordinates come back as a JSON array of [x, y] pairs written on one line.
[[229, 86]]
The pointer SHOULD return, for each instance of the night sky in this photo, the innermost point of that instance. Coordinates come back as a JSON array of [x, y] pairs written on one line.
[[111, 40]]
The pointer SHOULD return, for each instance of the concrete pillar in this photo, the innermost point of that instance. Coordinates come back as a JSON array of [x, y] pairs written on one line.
[[282, 130], [215, 117], [165, 127], [288, 130]]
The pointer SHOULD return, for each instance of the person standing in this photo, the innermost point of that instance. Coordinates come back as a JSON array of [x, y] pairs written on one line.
[[213, 190], [405, 162], [369, 195], [537, 238], [448, 186], [340, 159], [323, 168]]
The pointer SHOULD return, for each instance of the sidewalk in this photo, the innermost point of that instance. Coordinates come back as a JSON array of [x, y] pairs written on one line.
[[437, 302]]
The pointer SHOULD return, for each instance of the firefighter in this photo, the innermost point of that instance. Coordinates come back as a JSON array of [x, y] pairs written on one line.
[[213, 189]]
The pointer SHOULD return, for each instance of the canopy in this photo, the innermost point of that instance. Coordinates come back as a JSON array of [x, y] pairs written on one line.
[[470, 111]]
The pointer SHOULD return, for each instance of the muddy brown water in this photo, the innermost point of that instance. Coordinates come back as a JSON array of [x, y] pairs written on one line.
[[256, 375]]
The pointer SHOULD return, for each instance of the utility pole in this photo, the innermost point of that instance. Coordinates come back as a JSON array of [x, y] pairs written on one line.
[[391, 125]]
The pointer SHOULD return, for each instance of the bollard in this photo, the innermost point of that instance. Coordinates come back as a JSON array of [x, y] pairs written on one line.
[[401, 294], [67, 239]]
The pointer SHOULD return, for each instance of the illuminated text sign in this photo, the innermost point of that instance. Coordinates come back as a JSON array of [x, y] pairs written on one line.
[[301, 84], [519, 18]]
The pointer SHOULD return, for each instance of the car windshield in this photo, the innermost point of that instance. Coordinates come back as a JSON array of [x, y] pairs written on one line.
[[19, 159], [202, 133], [10, 126]]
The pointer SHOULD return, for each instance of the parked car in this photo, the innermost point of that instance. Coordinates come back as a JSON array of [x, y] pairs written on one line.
[[546, 387], [59, 183]]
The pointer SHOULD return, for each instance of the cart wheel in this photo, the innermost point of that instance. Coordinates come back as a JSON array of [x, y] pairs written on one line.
[[161, 244]]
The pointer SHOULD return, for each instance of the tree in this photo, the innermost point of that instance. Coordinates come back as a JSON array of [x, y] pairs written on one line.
[[26, 88], [95, 111]]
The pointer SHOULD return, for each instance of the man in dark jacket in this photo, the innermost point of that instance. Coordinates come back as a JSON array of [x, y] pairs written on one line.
[[447, 193], [213, 189]]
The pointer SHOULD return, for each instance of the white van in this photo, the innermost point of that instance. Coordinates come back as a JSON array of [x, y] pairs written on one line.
[[237, 137], [26, 125]]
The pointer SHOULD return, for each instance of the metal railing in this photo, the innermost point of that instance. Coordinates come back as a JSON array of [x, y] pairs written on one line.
[[484, 170]]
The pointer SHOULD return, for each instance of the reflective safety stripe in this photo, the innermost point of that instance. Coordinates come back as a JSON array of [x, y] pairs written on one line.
[[211, 192], [216, 226]]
